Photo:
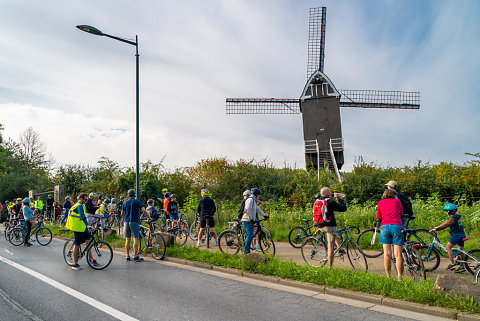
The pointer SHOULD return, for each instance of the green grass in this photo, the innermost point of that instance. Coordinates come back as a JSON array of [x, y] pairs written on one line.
[[410, 290]]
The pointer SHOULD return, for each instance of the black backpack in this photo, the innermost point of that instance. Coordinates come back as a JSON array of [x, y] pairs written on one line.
[[241, 210], [406, 204]]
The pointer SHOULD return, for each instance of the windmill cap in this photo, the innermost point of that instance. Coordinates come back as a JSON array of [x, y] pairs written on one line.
[[391, 184]]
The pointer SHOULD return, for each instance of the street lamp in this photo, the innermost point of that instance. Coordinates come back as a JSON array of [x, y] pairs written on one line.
[[97, 32]]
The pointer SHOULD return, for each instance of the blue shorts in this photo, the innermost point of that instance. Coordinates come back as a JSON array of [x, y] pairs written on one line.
[[174, 216], [391, 234], [457, 240], [81, 237], [131, 228]]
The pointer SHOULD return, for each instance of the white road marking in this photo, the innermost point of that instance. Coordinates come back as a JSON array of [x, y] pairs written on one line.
[[8, 252], [80, 296]]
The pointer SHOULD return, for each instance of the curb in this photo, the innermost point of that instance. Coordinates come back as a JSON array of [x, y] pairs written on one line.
[[415, 307], [462, 316], [360, 296]]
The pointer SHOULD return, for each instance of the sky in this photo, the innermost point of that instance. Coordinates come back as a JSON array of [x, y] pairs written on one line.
[[78, 90]]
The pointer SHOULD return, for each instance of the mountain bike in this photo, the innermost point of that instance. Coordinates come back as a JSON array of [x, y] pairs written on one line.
[[299, 233], [99, 253], [177, 231], [369, 240], [233, 239], [43, 235], [152, 241], [315, 250]]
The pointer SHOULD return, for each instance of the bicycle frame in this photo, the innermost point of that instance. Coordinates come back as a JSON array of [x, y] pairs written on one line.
[[456, 251]]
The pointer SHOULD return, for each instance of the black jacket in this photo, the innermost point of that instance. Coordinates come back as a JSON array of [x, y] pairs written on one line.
[[332, 207], [91, 208], [206, 207], [406, 204]]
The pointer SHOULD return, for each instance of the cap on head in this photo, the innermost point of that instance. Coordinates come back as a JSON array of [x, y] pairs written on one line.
[[392, 184], [131, 192]]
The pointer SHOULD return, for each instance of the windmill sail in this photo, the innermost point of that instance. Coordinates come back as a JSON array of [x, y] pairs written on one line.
[[380, 99], [316, 40], [262, 106]]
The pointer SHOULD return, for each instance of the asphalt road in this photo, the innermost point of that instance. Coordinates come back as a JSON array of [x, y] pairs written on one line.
[[145, 291]]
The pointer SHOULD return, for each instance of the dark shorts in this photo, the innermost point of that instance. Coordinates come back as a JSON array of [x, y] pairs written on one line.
[[204, 219], [391, 234], [174, 216], [457, 240], [81, 237]]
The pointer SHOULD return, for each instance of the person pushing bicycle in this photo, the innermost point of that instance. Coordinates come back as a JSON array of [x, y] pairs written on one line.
[[457, 234]]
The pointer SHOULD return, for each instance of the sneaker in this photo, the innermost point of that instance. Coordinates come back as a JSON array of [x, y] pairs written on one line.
[[76, 267], [137, 259], [450, 267], [342, 251], [198, 243], [128, 258], [257, 247], [461, 269], [216, 241], [94, 263], [27, 244]]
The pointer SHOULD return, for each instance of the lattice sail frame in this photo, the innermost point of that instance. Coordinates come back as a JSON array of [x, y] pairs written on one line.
[[262, 106], [316, 40], [380, 99]]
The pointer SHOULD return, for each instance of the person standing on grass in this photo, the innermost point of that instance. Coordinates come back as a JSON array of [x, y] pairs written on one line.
[[389, 213], [131, 213]]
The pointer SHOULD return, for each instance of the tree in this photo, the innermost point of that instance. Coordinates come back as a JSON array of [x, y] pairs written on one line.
[[32, 149], [477, 155]]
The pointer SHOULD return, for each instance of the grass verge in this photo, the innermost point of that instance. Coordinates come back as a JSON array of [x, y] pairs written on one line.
[[409, 290]]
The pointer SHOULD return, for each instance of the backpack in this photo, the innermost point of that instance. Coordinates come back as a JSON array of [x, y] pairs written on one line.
[[241, 210], [406, 204], [320, 212]]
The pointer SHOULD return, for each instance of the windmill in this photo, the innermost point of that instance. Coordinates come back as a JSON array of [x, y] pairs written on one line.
[[320, 103]]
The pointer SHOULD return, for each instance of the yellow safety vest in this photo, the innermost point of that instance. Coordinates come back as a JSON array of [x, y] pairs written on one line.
[[74, 222], [39, 205]]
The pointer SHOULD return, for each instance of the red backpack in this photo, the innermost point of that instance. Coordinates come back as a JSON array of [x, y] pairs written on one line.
[[320, 212]]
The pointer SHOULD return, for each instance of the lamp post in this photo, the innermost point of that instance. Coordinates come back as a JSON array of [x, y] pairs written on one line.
[[97, 32]]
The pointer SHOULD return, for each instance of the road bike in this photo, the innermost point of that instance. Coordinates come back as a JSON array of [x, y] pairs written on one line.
[[299, 233], [99, 254], [431, 254], [369, 240], [315, 251], [233, 239], [153, 242], [43, 235]]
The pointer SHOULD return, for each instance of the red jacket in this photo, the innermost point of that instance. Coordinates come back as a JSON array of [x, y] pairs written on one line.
[[390, 211]]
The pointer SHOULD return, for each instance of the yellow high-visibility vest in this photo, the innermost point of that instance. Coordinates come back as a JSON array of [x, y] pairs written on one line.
[[74, 221]]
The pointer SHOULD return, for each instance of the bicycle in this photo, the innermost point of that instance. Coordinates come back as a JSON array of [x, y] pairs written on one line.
[[299, 233], [412, 258], [369, 240], [99, 253], [194, 228], [153, 241], [177, 231], [9, 226], [471, 259], [43, 235], [315, 253], [233, 239]]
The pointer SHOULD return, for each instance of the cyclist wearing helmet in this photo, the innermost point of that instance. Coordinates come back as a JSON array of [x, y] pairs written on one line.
[[241, 209], [131, 214], [250, 216], [172, 209], [112, 205], [90, 204], [206, 209], [29, 220], [165, 205], [16, 209], [457, 234], [164, 191], [152, 210]]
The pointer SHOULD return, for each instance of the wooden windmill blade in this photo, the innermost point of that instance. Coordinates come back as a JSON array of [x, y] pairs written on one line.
[[316, 40], [380, 99], [262, 106]]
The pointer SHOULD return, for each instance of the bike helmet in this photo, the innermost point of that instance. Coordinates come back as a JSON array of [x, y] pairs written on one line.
[[19, 199], [100, 196], [50, 195], [107, 200], [256, 191], [26, 200], [450, 207], [67, 197], [247, 193], [92, 194], [122, 197], [114, 200], [165, 190], [173, 196], [150, 201], [167, 195], [131, 192]]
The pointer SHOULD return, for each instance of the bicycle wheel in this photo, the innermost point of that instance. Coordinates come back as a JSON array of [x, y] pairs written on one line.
[[356, 257], [228, 242], [181, 237], [423, 236], [16, 236], [296, 236], [194, 231], [8, 228], [314, 251], [44, 236], [266, 243], [473, 261], [158, 247], [431, 260], [99, 255], [68, 252], [416, 269], [477, 276], [369, 243]]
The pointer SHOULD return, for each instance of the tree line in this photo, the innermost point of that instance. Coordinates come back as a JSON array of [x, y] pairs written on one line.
[[24, 165]]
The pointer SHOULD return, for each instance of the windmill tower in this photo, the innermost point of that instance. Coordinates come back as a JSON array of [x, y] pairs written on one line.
[[320, 103]]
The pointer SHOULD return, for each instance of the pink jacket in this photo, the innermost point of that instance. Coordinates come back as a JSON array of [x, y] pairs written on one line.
[[390, 211]]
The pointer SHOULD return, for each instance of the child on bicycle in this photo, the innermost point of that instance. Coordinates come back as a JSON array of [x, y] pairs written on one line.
[[456, 231], [152, 210], [172, 209]]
